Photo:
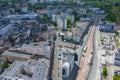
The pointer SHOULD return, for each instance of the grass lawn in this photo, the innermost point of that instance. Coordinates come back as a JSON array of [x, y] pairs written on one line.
[[117, 41], [35, 44]]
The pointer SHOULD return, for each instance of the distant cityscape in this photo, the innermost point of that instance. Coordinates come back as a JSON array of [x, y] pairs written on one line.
[[59, 40]]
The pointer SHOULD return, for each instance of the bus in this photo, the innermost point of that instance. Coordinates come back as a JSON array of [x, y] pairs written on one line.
[[85, 49], [90, 59]]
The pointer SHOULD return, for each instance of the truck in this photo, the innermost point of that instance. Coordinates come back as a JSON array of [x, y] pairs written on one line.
[[84, 50]]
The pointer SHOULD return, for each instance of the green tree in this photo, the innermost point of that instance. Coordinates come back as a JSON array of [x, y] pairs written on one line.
[[57, 28], [45, 17], [5, 65], [77, 17], [68, 22], [116, 77], [54, 23], [104, 72], [111, 17]]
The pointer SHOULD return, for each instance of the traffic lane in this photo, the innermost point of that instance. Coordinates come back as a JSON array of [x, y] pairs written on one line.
[[85, 41], [89, 45], [82, 61], [83, 64], [56, 64], [74, 73], [81, 73], [93, 68]]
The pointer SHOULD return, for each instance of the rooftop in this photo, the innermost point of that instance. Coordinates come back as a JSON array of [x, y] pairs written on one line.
[[21, 16], [67, 57], [117, 55], [67, 54], [13, 52], [30, 70], [27, 50]]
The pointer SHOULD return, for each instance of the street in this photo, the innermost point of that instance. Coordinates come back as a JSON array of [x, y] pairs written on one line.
[[83, 64], [84, 72], [93, 68]]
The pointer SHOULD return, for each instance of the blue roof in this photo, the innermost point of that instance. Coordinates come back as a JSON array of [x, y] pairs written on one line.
[[85, 19], [106, 28]]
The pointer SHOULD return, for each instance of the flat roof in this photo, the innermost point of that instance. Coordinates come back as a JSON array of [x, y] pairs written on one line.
[[41, 48], [67, 57], [67, 54], [117, 55], [15, 54], [28, 70], [21, 16]]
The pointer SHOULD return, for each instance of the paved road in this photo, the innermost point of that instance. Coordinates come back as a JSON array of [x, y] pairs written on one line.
[[94, 67], [83, 64], [79, 51], [92, 72], [84, 67], [56, 71]]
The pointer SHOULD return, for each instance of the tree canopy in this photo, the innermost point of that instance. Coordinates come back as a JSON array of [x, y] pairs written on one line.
[[104, 72], [116, 77], [5, 65]]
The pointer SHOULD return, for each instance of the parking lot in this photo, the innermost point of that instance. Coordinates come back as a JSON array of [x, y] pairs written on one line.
[[106, 48]]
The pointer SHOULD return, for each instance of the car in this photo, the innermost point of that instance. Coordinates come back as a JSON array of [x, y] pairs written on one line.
[[91, 52], [59, 56], [99, 45], [117, 72]]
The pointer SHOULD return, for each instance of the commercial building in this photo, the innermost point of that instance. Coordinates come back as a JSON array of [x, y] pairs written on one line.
[[67, 64], [106, 27], [51, 1], [33, 2], [82, 11], [54, 16], [119, 37], [69, 11], [27, 70], [85, 19], [62, 23], [49, 13], [71, 17], [67, 60], [24, 9], [78, 33]]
